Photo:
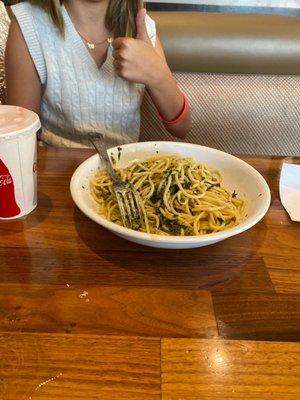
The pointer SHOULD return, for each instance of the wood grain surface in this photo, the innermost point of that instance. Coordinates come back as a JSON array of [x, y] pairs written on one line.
[[35, 366], [86, 315], [217, 369]]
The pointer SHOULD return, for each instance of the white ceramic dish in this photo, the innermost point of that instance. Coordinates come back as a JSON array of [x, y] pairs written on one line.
[[237, 175]]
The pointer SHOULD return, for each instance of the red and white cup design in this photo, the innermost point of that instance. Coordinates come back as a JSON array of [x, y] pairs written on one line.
[[18, 176]]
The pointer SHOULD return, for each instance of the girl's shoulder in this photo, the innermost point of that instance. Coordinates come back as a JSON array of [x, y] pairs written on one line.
[[38, 32], [32, 14], [29, 8]]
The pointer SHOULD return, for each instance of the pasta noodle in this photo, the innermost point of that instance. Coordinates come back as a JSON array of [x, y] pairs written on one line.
[[179, 197]]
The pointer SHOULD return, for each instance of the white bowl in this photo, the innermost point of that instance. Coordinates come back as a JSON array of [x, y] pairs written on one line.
[[237, 175]]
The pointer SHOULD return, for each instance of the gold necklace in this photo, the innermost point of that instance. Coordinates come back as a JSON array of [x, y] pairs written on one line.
[[92, 45]]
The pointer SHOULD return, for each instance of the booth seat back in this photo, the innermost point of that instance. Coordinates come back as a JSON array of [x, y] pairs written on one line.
[[242, 76]]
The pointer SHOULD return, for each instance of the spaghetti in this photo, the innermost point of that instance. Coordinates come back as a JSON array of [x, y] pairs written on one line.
[[179, 197]]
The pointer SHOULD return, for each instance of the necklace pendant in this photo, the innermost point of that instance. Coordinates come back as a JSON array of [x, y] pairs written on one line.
[[91, 46]]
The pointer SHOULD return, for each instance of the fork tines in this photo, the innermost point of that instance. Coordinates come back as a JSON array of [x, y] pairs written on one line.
[[129, 204]]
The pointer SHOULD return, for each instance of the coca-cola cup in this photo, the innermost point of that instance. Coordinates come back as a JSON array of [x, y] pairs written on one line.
[[18, 175]]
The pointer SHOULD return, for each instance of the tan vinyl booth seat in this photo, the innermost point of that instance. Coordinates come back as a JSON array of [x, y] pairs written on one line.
[[242, 76]]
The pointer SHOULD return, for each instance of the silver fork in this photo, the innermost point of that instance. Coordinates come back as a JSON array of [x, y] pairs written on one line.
[[128, 199]]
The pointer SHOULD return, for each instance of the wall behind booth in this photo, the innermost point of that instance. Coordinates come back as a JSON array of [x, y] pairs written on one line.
[[275, 7]]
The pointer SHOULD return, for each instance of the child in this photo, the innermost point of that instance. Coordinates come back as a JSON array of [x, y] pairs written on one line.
[[82, 65]]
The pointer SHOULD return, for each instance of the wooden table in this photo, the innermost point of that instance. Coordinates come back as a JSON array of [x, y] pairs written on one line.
[[87, 315]]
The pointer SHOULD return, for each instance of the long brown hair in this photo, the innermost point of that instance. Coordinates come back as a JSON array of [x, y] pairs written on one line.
[[119, 19]]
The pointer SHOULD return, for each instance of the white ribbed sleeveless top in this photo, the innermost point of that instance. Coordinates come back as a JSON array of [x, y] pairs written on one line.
[[77, 96]]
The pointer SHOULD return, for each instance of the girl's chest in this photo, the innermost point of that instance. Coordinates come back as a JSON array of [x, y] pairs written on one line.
[[98, 53], [79, 82]]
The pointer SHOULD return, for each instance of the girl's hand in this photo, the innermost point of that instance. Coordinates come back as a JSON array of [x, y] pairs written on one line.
[[136, 60]]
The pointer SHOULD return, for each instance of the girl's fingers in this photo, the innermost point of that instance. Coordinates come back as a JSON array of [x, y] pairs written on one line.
[[117, 54]]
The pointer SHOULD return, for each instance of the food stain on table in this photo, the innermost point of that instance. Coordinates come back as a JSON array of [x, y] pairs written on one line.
[[83, 295], [46, 382]]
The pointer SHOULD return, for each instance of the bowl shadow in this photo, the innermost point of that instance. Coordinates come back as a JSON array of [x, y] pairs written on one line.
[[200, 268]]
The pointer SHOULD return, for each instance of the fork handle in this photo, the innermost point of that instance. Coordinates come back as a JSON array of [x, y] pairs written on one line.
[[100, 145]]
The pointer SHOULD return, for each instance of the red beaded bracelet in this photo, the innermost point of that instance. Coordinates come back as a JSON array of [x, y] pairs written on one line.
[[180, 116]]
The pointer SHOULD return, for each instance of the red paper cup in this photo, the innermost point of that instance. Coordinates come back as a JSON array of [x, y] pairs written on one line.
[[18, 175]]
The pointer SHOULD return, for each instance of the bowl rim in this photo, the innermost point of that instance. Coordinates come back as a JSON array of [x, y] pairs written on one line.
[[217, 236]]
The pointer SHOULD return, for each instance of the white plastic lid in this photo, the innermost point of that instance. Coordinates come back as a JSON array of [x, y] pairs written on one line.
[[17, 121]]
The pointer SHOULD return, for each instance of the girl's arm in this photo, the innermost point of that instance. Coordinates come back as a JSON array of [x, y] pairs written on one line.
[[138, 61], [168, 98], [22, 80]]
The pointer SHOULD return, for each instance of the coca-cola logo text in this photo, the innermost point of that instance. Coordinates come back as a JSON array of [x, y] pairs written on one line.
[[8, 206], [5, 180]]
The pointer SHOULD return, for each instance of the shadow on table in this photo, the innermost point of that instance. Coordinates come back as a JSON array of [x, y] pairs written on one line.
[[36, 217], [201, 268]]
